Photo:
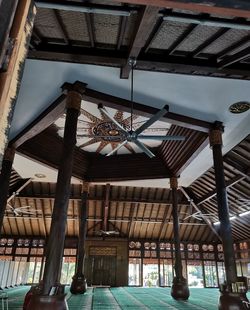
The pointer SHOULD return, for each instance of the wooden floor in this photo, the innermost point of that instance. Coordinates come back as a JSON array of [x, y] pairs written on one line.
[[128, 298]]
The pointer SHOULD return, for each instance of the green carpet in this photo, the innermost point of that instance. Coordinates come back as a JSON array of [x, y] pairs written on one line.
[[132, 298], [16, 297]]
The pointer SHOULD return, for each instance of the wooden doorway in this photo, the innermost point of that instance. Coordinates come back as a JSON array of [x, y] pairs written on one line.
[[103, 270], [103, 266]]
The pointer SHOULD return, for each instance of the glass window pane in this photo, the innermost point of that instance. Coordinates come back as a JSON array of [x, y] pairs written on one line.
[[195, 274], [166, 272], [30, 272], [37, 272], [150, 272], [210, 274], [134, 271], [221, 272]]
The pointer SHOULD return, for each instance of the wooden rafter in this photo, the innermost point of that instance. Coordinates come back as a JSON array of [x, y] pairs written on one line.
[[152, 62], [43, 196], [233, 46], [236, 166], [241, 55], [106, 204], [90, 26], [221, 7], [147, 19], [61, 26], [122, 29], [218, 34], [176, 44], [43, 121], [146, 111]]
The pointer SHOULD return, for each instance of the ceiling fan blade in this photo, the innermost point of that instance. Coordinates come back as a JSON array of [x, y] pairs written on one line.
[[117, 148], [97, 136], [101, 108], [152, 120], [27, 213], [161, 138], [187, 217], [144, 148], [10, 206], [16, 212], [24, 207]]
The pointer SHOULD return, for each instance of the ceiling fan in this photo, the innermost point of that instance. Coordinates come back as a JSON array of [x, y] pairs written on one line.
[[136, 136], [19, 211], [198, 215], [107, 232]]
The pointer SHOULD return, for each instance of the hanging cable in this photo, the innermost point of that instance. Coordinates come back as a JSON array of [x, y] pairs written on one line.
[[132, 63]]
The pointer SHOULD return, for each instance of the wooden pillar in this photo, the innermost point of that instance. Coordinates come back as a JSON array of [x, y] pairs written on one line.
[[55, 246], [78, 285], [5, 180], [180, 290], [18, 18], [230, 298]]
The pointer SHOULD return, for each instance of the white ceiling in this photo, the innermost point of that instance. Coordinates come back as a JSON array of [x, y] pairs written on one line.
[[200, 97]]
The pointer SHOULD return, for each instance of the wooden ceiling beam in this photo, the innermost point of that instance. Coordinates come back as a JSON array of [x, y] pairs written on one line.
[[236, 166], [106, 203], [43, 121], [237, 8], [192, 66], [219, 33], [86, 7], [90, 26], [176, 44], [145, 26], [146, 62], [7, 13], [45, 196], [122, 29], [233, 47], [191, 156], [61, 25], [146, 111], [229, 60]]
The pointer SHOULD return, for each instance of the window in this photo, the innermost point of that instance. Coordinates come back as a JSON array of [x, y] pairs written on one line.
[[134, 271], [210, 274], [68, 269], [166, 272], [195, 274]]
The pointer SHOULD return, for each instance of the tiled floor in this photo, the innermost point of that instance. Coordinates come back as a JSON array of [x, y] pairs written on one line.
[[128, 298]]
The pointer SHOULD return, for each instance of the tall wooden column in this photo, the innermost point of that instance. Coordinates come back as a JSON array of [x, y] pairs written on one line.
[[46, 299], [78, 285], [55, 244], [5, 180], [180, 290], [17, 19], [230, 298]]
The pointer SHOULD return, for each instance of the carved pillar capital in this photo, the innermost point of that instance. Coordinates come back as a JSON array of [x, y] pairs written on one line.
[[9, 154], [73, 100], [85, 187], [215, 134], [173, 182], [74, 94]]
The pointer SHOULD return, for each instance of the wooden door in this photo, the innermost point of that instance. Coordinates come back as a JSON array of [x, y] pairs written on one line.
[[103, 270]]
